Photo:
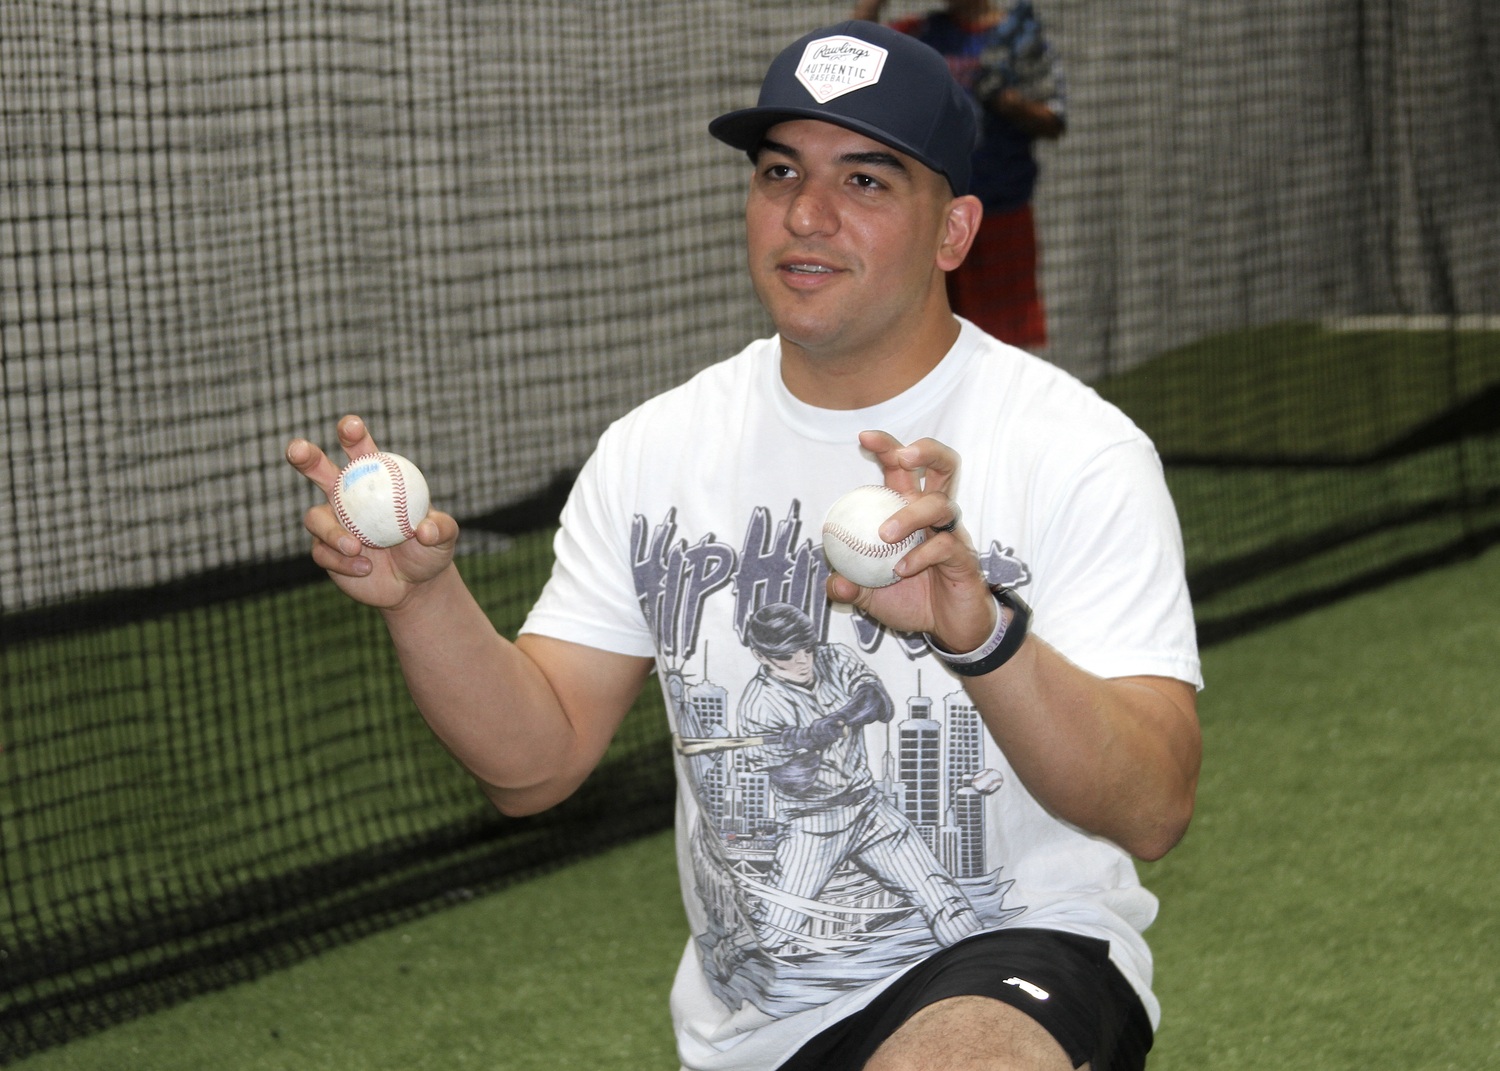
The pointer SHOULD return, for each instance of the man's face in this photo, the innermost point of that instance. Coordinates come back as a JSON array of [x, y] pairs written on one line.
[[842, 234], [795, 668]]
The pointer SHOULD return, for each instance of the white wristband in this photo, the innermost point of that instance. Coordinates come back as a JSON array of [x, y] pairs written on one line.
[[997, 636], [1004, 641]]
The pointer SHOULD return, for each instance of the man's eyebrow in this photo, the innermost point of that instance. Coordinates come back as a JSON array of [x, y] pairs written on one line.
[[876, 159], [870, 158], [767, 145]]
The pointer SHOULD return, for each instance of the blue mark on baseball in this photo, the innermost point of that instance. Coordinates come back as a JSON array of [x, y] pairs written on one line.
[[358, 471]]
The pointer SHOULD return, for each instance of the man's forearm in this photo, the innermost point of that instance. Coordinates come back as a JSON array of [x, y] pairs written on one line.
[[490, 703], [1117, 757]]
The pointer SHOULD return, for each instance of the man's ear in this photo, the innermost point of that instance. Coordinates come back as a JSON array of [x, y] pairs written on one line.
[[960, 225]]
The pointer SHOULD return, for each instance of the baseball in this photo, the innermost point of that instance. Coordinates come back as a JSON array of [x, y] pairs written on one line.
[[851, 541], [380, 499]]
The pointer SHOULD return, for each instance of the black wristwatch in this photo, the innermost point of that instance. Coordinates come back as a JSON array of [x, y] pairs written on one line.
[[1004, 642]]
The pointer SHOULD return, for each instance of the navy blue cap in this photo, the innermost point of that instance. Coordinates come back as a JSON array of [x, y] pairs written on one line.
[[873, 80]]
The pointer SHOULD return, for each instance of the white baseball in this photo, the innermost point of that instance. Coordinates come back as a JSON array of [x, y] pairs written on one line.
[[380, 499], [851, 538]]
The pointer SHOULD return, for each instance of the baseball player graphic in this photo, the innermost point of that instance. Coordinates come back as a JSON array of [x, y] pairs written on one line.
[[810, 701]]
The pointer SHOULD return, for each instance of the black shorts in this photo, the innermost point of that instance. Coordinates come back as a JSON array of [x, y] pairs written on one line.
[[1089, 1007]]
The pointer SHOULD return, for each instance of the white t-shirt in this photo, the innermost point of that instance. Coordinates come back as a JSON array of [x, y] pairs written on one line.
[[807, 873]]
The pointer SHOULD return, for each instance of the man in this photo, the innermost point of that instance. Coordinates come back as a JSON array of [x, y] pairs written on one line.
[[1003, 58], [1032, 762]]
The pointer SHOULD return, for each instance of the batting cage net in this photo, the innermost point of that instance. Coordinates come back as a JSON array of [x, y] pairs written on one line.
[[1270, 233]]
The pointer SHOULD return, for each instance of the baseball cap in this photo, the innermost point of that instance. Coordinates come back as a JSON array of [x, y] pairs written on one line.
[[870, 79]]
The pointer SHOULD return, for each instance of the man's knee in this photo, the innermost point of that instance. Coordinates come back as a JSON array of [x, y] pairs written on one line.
[[970, 1033]]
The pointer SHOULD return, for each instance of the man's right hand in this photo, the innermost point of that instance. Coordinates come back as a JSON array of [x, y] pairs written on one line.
[[384, 578]]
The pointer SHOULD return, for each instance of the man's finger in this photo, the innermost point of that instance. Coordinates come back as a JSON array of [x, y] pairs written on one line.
[[843, 590], [938, 459], [334, 560], [308, 459], [355, 437], [888, 454], [923, 513], [323, 525], [954, 516]]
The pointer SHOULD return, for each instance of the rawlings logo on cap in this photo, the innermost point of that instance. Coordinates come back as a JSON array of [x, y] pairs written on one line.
[[833, 66]]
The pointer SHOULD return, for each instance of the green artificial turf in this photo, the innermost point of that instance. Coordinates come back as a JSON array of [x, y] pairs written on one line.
[[1331, 907], [1297, 389], [180, 767], [570, 970], [1331, 452]]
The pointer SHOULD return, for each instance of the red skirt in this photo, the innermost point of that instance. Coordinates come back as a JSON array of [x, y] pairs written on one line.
[[996, 286]]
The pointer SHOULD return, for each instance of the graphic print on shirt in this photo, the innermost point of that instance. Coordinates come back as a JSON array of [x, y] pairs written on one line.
[[840, 822]]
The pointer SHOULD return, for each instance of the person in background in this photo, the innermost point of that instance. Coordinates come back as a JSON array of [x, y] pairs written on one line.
[[1004, 60]]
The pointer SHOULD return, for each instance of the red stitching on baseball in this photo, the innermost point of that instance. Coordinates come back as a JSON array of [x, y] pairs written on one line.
[[398, 490], [343, 515], [877, 550]]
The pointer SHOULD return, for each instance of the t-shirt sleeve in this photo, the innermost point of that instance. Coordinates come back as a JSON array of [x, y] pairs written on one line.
[[1112, 592], [590, 596]]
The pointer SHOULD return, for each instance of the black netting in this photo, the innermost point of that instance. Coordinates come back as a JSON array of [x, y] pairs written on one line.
[[1271, 234]]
